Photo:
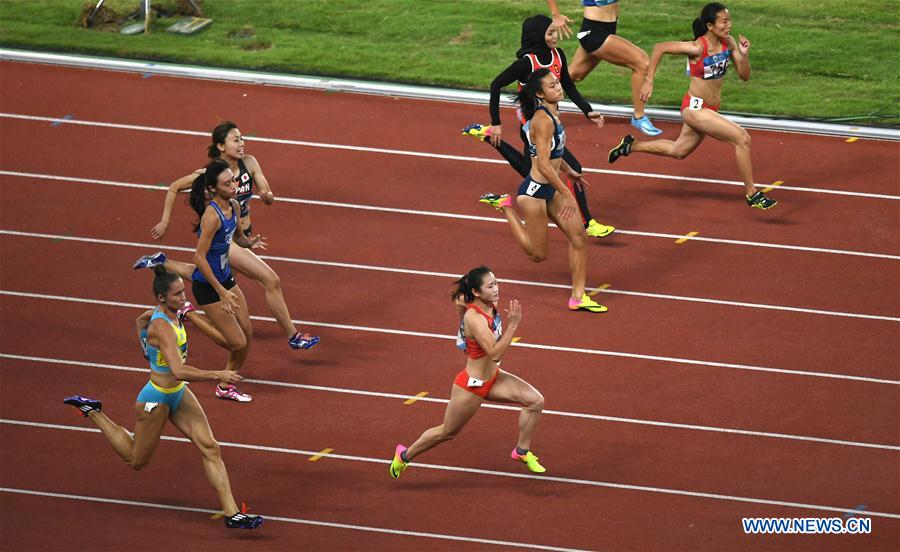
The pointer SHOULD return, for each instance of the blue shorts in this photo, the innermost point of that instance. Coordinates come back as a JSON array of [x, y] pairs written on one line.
[[171, 397], [536, 190]]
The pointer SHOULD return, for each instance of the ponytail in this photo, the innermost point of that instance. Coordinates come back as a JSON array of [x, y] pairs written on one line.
[[162, 280], [203, 187], [527, 97], [219, 134], [468, 284], [707, 16]]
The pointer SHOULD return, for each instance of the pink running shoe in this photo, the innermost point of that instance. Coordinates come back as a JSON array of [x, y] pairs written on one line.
[[231, 393]]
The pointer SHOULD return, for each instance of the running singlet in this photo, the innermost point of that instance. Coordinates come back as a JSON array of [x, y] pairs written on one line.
[[470, 345], [244, 188], [217, 256], [558, 146], [154, 355], [597, 3], [709, 67], [555, 65]]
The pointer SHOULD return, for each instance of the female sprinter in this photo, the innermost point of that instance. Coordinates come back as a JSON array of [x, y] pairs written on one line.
[[476, 294], [599, 41], [539, 38], [708, 57], [212, 282], [542, 195], [166, 396], [228, 145]]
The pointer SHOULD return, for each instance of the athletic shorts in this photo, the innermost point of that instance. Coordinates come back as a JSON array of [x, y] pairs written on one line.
[[205, 294], [171, 396], [692, 102], [593, 33], [476, 386], [530, 188]]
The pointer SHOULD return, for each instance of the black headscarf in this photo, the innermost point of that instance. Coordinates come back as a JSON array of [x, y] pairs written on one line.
[[533, 30]]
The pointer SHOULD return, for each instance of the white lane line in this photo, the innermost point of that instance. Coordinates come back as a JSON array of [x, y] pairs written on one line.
[[496, 473], [440, 214], [305, 143], [561, 349], [331, 524], [402, 396], [355, 266]]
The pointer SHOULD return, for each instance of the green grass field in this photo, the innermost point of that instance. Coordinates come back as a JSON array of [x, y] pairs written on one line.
[[829, 59]]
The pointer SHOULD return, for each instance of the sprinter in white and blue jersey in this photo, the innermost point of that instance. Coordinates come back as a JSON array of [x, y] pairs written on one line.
[[543, 196], [167, 397], [213, 198]]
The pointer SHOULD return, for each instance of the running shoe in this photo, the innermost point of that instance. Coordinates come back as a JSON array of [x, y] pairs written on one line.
[[241, 520], [496, 201], [303, 341], [397, 464], [530, 460], [585, 304], [84, 404], [149, 261], [231, 393], [761, 201], [644, 125], [475, 130], [624, 148], [596, 230], [184, 310]]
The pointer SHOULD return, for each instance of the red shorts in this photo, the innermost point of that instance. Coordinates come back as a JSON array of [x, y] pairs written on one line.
[[463, 380], [687, 101]]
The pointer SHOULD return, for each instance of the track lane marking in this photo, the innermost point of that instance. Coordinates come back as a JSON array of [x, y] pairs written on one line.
[[496, 473], [429, 155], [494, 406]]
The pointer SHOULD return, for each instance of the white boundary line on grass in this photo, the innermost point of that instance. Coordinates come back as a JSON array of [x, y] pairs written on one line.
[[452, 277], [304, 143], [496, 473], [411, 91], [301, 521], [363, 207], [561, 349], [403, 397]]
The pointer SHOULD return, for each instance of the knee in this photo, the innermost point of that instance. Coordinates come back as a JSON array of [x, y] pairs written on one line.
[[210, 450], [578, 240], [239, 343], [743, 140], [448, 434], [538, 256], [642, 64], [577, 75], [271, 281], [535, 402], [678, 154]]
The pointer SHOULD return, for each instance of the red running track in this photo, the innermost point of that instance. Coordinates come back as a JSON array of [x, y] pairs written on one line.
[[612, 442]]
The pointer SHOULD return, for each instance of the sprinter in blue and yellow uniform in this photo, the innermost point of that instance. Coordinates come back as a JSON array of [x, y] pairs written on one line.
[[167, 397]]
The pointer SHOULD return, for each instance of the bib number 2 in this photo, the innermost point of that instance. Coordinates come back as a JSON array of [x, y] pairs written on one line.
[[695, 103]]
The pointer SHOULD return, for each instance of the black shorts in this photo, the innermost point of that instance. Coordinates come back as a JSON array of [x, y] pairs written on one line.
[[593, 33], [537, 190], [205, 294]]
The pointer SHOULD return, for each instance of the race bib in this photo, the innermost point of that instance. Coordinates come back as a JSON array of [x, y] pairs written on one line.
[[695, 103], [474, 382], [532, 189]]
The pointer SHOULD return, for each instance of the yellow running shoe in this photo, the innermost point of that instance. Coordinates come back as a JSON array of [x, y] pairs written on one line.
[[475, 130], [498, 202], [397, 464], [596, 230], [530, 460], [586, 304]]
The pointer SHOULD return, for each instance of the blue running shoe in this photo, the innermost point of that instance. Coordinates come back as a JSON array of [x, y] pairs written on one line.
[[84, 404], [303, 341], [241, 520], [149, 261], [644, 125]]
